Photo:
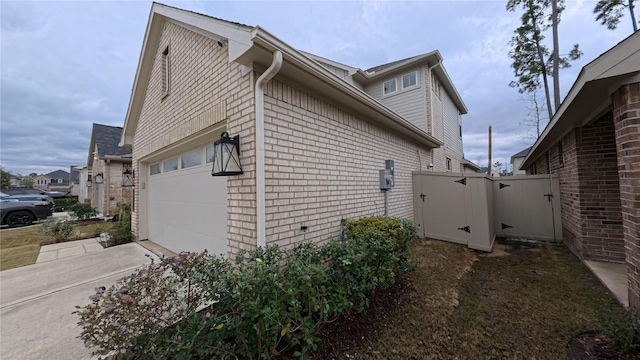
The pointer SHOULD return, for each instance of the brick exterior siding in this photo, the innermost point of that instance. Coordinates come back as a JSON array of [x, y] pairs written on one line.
[[205, 90], [589, 191], [322, 166], [626, 115]]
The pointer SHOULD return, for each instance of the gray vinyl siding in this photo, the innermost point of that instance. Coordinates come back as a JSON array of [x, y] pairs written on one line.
[[408, 103], [452, 139], [342, 73]]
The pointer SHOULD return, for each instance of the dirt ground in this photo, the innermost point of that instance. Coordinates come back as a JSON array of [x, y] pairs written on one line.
[[523, 301]]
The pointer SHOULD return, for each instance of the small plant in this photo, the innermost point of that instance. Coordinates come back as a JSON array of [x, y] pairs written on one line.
[[623, 327], [60, 230], [83, 211], [121, 231]]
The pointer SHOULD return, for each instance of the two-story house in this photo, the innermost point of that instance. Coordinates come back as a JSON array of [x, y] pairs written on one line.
[[308, 136], [420, 90]]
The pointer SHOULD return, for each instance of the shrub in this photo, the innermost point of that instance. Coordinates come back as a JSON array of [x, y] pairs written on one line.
[[83, 211], [59, 230], [623, 327], [121, 231], [268, 302], [63, 204]]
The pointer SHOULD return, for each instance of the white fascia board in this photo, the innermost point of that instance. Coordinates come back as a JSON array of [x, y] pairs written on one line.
[[595, 70], [272, 43]]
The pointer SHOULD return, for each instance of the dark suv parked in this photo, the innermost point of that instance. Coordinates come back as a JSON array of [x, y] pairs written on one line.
[[33, 191]]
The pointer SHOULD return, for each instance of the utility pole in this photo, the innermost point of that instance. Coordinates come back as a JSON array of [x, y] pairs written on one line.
[[489, 164]]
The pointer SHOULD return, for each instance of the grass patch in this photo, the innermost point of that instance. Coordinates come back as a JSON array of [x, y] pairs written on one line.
[[525, 304], [20, 247]]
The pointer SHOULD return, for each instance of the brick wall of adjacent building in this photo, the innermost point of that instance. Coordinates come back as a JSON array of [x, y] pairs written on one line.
[[626, 115], [585, 161], [106, 202], [205, 91], [322, 166]]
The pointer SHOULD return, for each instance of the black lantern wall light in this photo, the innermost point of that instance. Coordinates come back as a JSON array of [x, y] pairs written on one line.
[[128, 175], [88, 180], [226, 156], [98, 178]]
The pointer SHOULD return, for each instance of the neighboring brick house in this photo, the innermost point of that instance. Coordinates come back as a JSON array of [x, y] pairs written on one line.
[[312, 142], [593, 144], [54, 181], [106, 163]]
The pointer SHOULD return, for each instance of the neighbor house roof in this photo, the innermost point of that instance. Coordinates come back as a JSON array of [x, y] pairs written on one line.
[[106, 139], [59, 174], [590, 95], [470, 164], [252, 46], [74, 174], [521, 153]]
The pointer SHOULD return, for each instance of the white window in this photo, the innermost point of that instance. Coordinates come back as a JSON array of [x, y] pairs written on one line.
[[209, 154], [409, 80], [460, 124], [155, 169], [166, 71], [191, 159], [170, 165], [448, 164], [389, 86]]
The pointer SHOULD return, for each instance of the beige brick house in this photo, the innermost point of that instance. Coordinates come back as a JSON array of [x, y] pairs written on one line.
[[593, 144], [313, 135], [106, 163]]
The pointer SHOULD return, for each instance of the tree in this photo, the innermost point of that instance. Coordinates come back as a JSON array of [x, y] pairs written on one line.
[[5, 178], [535, 119], [27, 181], [609, 13], [532, 59]]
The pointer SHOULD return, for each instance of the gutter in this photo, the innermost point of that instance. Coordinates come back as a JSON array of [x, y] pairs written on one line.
[[270, 42], [276, 64]]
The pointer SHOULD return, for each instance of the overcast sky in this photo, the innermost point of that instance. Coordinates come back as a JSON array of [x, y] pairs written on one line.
[[66, 65]]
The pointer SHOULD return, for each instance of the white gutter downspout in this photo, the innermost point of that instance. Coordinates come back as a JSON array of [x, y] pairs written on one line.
[[433, 131], [260, 188], [107, 187]]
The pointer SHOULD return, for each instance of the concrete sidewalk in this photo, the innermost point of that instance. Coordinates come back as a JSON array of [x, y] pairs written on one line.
[[66, 249], [37, 301], [613, 276]]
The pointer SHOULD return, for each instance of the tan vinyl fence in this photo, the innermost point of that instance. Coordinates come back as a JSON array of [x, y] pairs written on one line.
[[473, 209]]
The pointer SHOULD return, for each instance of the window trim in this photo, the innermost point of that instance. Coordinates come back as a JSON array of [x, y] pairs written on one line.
[[448, 164], [415, 73], [384, 87], [166, 71]]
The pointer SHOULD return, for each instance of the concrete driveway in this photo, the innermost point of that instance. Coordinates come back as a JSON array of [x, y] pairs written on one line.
[[37, 301]]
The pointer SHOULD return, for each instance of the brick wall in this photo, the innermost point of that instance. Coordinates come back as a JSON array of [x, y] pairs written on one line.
[[599, 192], [589, 193], [322, 166], [626, 113], [205, 91]]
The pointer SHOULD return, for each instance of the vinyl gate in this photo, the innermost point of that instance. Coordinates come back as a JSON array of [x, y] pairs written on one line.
[[473, 209]]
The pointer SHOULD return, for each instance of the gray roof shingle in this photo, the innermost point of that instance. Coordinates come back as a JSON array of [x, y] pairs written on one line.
[[107, 139]]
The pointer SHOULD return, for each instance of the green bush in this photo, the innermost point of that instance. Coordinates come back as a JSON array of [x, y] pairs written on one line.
[[59, 230], [268, 302], [83, 211], [121, 231], [623, 327], [63, 204]]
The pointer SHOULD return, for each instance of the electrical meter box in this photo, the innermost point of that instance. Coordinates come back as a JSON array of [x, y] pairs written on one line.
[[386, 176]]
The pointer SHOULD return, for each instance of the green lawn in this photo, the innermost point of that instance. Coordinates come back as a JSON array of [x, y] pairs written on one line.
[[20, 247]]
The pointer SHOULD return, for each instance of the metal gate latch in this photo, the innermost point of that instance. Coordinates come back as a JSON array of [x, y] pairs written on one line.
[[422, 196], [549, 196]]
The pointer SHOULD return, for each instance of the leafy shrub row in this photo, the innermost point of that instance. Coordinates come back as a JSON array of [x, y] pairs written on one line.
[[62, 204], [269, 301]]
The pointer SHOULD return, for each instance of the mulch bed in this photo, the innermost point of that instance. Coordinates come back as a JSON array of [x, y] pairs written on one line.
[[592, 345]]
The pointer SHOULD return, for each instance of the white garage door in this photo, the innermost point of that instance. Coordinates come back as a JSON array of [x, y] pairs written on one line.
[[187, 207]]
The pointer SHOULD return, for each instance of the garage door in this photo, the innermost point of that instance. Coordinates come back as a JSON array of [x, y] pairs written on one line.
[[186, 205]]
